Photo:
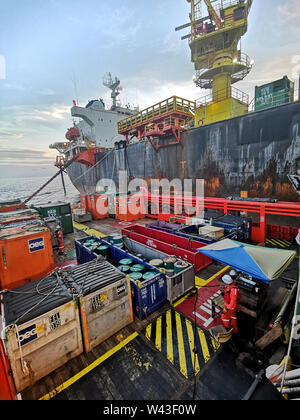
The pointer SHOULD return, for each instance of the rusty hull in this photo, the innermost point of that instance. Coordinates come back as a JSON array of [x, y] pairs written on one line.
[[254, 153]]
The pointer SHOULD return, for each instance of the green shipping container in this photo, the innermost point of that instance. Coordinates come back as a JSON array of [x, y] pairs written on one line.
[[61, 211], [273, 94]]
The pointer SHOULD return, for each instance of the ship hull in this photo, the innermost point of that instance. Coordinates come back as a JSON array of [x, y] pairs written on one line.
[[254, 153]]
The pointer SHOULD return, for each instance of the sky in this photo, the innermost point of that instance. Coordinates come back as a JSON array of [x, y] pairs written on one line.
[[54, 51]]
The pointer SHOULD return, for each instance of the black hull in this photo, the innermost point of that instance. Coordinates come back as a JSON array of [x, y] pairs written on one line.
[[254, 152]]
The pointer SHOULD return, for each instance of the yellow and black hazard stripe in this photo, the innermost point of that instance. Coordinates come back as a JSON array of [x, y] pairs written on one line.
[[278, 243], [173, 335]]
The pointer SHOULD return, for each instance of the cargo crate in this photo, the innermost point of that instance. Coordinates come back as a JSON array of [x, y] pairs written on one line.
[[18, 216], [104, 301], [178, 284], [41, 329], [61, 211], [26, 254], [211, 232], [171, 244], [273, 94], [99, 206], [147, 295], [11, 205]]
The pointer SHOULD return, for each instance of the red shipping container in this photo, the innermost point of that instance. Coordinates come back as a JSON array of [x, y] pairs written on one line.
[[170, 244], [7, 389], [6, 209]]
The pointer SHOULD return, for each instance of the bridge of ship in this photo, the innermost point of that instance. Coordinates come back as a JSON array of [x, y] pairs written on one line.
[[168, 117]]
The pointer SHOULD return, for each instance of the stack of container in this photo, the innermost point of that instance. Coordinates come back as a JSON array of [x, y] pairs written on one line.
[[18, 216], [11, 205], [148, 291], [52, 320]]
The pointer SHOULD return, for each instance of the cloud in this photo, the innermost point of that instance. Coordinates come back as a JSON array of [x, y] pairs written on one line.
[[289, 12], [25, 157], [47, 92], [52, 113]]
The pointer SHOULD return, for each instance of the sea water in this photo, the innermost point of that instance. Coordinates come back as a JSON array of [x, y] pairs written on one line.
[[23, 188]]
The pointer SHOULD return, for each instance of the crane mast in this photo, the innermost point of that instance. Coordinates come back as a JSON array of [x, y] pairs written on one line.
[[219, 63]]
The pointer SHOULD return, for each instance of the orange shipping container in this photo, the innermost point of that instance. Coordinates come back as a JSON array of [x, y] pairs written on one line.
[[99, 206], [24, 256]]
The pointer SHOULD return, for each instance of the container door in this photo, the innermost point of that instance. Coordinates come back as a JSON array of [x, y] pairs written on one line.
[[66, 219], [7, 390]]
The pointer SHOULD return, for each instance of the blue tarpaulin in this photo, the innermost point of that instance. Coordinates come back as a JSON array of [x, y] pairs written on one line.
[[261, 263]]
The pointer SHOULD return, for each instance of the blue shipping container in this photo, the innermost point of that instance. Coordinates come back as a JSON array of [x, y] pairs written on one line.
[[148, 295]]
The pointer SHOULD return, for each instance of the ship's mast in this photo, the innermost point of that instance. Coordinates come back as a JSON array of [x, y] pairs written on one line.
[[114, 85], [218, 61]]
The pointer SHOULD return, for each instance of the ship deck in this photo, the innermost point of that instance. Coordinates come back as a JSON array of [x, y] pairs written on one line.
[[137, 363]]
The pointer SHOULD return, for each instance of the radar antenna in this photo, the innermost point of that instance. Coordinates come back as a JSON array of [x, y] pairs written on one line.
[[114, 85]]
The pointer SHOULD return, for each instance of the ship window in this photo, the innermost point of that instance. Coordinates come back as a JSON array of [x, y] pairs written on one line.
[[239, 13]]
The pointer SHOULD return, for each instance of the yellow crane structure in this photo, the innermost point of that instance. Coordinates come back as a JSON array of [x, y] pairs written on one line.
[[219, 62]]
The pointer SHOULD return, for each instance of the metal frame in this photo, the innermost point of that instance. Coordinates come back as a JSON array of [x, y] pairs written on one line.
[[170, 116], [258, 232]]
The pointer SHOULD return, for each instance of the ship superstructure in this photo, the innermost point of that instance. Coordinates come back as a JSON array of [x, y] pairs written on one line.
[[97, 127]]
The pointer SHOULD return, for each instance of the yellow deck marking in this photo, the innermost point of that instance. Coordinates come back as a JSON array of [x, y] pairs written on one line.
[[148, 331], [158, 334], [94, 232], [88, 231], [204, 346], [278, 242], [199, 283], [181, 300], [194, 355], [284, 243], [173, 335], [170, 356], [79, 226], [88, 369], [181, 352], [272, 242]]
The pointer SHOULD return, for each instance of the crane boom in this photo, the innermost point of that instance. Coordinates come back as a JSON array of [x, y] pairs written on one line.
[[213, 14]]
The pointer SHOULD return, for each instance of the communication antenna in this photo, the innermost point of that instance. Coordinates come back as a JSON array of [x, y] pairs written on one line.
[[75, 89], [114, 85]]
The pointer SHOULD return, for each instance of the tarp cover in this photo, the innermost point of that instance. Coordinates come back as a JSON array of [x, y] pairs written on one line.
[[261, 263]]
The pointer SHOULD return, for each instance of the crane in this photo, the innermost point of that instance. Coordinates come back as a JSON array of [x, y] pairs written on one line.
[[219, 62], [213, 14]]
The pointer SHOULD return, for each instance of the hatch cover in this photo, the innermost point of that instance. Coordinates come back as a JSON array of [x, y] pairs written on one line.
[[173, 335]]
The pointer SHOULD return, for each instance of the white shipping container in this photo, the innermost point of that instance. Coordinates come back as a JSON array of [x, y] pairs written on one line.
[[37, 346], [105, 312], [104, 301]]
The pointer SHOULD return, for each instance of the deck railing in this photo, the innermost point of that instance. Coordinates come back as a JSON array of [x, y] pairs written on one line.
[[174, 104]]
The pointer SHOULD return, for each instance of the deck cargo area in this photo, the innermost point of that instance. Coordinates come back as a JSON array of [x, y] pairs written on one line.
[[165, 355]]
